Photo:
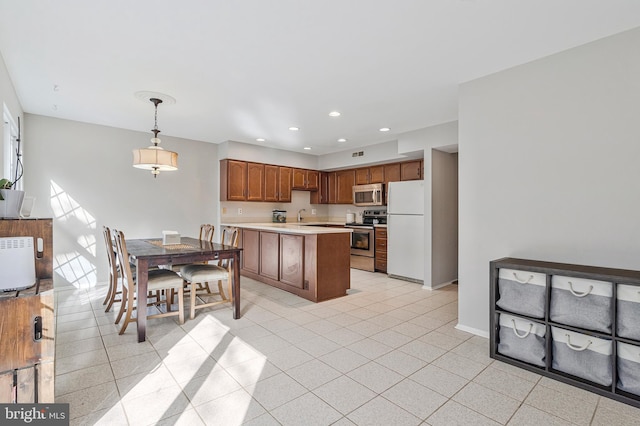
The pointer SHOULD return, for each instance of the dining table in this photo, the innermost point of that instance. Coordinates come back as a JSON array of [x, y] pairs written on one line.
[[149, 252]]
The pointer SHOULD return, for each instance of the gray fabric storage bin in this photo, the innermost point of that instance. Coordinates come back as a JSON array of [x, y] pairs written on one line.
[[581, 302], [628, 311], [582, 356], [522, 292], [628, 368], [522, 339]]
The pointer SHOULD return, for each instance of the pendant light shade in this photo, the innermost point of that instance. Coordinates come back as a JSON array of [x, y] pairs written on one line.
[[155, 158]]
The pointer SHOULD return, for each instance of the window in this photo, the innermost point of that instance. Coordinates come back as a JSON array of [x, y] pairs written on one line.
[[12, 169]]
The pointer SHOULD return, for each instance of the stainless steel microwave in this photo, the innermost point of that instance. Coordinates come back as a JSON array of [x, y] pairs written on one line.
[[369, 195]]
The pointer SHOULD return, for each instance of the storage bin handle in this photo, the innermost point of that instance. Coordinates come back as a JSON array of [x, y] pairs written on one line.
[[522, 281], [516, 331], [577, 348], [576, 294]]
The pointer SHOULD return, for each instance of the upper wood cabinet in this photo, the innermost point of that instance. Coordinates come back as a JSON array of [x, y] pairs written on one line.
[[411, 170], [366, 175], [306, 179], [321, 196], [332, 187], [233, 180], [277, 183], [345, 179], [255, 182]]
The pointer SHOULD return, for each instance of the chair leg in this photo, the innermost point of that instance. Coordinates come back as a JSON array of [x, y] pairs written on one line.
[[123, 305], [192, 304], [109, 291], [221, 290], [180, 304], [128, 317]]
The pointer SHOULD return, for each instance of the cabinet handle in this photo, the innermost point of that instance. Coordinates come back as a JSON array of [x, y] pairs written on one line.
[[576, 294], [577, 348], [37, 328], [522, 281], [516, 331]]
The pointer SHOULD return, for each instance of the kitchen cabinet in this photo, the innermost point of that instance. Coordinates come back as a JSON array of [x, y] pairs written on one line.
[[307, 180], [380, 249], [573, 323], [332, 188], [27, 350], [270, 255], [255, 182], [321, 196], [391, 174], [367, 175], [411, 170], [233, 180], [313, 263], [345, 179], [277, 183], [251, 250], [292, 260]]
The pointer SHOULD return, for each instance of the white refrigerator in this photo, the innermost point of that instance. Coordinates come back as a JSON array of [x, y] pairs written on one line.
[[405, 230]]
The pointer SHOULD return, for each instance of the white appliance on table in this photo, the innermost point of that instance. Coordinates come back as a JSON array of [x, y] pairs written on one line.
[[405, 230]]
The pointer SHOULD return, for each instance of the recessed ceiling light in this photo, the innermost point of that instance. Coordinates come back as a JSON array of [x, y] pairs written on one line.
[[342, 140], [334, 114], [294, 128], [384, 129], [260, 140], [307, 148]]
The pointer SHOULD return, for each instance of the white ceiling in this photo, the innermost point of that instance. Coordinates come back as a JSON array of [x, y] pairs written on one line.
[[247, 69]]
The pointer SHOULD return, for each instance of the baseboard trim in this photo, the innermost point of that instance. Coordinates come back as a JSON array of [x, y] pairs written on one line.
[[472, 330]]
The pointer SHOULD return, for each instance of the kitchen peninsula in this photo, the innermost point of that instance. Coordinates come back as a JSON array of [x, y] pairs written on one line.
[[312, 262]]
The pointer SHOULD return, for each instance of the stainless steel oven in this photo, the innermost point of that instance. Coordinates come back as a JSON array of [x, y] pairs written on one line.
[[362, 247]]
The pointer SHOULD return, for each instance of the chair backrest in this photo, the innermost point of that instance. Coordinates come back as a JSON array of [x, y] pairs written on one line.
[[111, 254], [123, 259], [206, 232], [229, 238]]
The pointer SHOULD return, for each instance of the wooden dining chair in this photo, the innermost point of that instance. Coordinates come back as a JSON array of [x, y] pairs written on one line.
[[113, 291], [200, 276], [158, 280]]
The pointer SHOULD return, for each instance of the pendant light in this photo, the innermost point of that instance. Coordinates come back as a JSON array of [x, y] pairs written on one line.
[[155, 158]]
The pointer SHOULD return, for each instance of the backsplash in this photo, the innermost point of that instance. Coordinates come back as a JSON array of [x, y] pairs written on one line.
[[262, 212]]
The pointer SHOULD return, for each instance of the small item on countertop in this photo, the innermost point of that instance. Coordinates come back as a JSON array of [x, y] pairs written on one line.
[[279, 216], [170, 237]]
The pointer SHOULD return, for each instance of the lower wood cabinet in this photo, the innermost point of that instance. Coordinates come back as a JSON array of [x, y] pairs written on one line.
[[381, 249], [313, 266]]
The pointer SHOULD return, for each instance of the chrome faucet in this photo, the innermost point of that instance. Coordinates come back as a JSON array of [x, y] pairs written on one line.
[[300, 215]]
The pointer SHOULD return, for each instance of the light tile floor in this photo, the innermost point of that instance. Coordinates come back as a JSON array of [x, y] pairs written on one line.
[[387, 354]]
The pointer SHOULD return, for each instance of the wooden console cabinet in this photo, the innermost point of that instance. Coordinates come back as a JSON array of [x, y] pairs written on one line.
[[576, 324], [27, 322]]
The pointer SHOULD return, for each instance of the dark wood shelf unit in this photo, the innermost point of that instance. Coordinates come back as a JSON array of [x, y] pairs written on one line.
[[549, 269]]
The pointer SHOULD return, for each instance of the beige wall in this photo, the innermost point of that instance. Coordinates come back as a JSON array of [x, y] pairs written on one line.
[[444, 213]]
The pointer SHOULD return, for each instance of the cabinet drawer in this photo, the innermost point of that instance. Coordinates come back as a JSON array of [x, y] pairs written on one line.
[[522, 339], [628, 311], [381, 265], [522, 292], [381, 245], [583, 356], [381, 233], [381, 255], [628, 368], [581, 302]]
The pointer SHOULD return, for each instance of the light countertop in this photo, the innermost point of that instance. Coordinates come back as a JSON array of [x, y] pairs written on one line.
[[294, 227]]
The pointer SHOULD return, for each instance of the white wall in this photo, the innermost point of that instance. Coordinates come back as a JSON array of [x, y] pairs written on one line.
[[264, 154], [81, 175], [385, 152], [548, 165]]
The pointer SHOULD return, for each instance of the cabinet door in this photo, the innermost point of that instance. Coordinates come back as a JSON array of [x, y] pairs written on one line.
[[299, 179], [284, 184], [362, 176], [321, 196], [269, 255], [411, 170], [345, 179], [255, 182], [251, 250], [271, 183], [332, 188], [313, 180], [376, 174], [233, 180], [292, 260]]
